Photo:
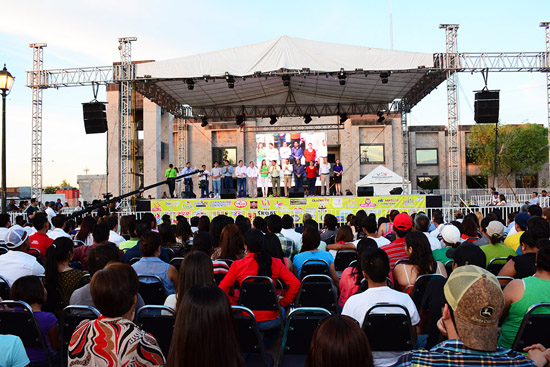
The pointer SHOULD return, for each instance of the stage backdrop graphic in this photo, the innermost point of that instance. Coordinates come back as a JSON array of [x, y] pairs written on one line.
[[277, 146]]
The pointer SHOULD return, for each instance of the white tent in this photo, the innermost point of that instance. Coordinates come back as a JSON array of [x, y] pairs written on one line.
[[383, 180]]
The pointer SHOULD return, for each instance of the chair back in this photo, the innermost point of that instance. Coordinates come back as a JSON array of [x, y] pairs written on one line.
[[250, 340], [534, 327], [258, 293], [420, 288], [331, 240], [169, 252], [84, 279], [504, 281], [4, 288], [134, 260], [317, 291], [159, 322], [36, 253], [78, 243], [449, 267], [71, 317], [496, 264], [152, 290], [300, 326], [344, 258], [229, 262], [176, 262], [389, 328], [314, 266], [3, 250]]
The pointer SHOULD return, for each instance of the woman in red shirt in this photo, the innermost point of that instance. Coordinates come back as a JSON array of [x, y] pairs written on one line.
[[310, 153], [311, 174]]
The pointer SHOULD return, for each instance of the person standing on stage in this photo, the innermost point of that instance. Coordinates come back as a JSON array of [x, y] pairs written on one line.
[[296, 153], [227, 171], [203, 182], [323, 149], [252, 178], [285, 151], [240, 171], [299, 171], [188, 180], [171, 174], [287, 175], [338, 170], [324, 170], [272, 153], [309, 154], [275, 174], [216, 180], [264, 178], [260, 153], [311, 173]]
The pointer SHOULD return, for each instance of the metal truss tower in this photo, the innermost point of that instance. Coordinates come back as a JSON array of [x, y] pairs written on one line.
[[126, 77], [451, 58], [405, 138], [546, 62], [36, 150]]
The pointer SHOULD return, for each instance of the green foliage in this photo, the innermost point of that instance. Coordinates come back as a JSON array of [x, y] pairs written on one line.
[[522, 149], [50, 189]]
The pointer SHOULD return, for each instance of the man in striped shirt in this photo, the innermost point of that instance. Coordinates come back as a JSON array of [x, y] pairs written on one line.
[[402, 225]]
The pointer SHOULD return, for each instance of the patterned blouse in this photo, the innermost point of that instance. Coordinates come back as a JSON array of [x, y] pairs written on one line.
[[68, 281], [113, 342]]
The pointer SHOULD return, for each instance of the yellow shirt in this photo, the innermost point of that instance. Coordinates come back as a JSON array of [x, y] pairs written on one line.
[[513, 240]]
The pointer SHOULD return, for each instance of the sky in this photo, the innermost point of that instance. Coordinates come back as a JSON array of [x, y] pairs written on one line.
[[82, 34]]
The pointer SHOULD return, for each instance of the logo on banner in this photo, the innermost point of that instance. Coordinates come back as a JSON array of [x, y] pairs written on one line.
[[220, 204], [367, 204], [266, 203], [201, 204], [337, 202], [240, 203], [298, 201], [253, 204]]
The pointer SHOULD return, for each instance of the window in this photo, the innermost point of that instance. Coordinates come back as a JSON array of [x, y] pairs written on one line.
[[476, 182], [470, 155], [427, 182], [526, 181], [222, 154], [372, 153], [426, 157]]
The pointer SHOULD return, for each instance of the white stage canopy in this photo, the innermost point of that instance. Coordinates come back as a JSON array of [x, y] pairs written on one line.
[[383, 180]]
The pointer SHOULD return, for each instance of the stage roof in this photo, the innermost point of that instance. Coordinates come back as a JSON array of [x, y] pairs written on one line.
[[315, 69]]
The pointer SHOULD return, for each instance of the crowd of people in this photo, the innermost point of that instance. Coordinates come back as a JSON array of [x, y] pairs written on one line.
[[456, 321]]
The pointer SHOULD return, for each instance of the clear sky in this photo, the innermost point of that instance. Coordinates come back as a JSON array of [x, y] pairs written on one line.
[[85, 34]]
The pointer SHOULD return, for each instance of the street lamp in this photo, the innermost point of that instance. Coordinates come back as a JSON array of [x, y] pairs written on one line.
[[6, 82]]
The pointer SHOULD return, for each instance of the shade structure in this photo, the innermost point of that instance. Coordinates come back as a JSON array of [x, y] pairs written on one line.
[[383, 180]]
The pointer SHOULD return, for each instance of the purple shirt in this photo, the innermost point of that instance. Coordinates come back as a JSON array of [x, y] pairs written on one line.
[[337, 168], [45, 320], [297, 152]]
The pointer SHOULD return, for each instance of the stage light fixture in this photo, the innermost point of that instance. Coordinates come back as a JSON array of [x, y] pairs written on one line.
[[286, 80], [204, 122], [307, 119], [190, 84], [343, 117], [239, 120], [384, 76], [272, 119], [342, 77], [380, 115], [230, 80]]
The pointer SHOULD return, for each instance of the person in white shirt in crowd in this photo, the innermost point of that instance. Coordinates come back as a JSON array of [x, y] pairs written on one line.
[[370, 227], [324, 171], [216, 174], [422, 224], [534, 199], [288, 230], [79, 207], [114, 237], [494, 199], [58, 223], [287, 174], [203, 182], [240, 172], [437, 221], [50, 211], [252, 180], [5, 224], [16, 263], [376, 267], [285, 151]]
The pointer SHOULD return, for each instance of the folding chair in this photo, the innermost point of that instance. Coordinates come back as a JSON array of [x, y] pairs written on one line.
[[159, 322], [250, 340], [36, 253], [534, 327], [3, 250], [387, 330], [344, 258], [420, 288], [152, 290], [331, 240], [71, 317], [4, 288], [169, 252], [227, 261], [449, 267], [134, 260], [176, 262], [84, 279], [17, 318], [504, 281], [317, 291], [496, 264], [300, 326], [314, 266], [78, 243], [258, 293]]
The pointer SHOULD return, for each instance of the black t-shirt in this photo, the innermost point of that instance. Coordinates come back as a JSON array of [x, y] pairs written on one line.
[[525, 264], [432, 303]]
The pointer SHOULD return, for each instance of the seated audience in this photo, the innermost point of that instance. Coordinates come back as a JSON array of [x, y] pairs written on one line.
[[40, 240], [402, 225], [450, 236], [204, 332], [151, 264], [523, 265], [114, 237], [288, 229], [495, 231], [204, 242], [376, 266], [330, 222], [310, 251], [352, 276], [84, 234], [143, 228], [272, 246], [422, 224], [12, 352], [231, 245], [204, 224], [100, 235], [196, 269], [343, 240], [168, 239], [513, 239], [134, 238], [58, 231], [339, 341], [470, 232], [16, 262], [113, 339], [370, 228]]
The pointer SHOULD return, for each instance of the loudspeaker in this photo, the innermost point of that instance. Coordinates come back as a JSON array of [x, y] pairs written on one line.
[[228, 194], [486, 105], [396, 191], [434, 201], [365, 191], [295, 192], [95, 117]]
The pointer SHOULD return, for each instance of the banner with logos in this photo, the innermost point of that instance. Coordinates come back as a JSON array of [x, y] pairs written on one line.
[[340, 206]]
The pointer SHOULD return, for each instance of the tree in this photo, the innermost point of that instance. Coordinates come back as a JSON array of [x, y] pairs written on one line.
[[521, 149], [50, 189]]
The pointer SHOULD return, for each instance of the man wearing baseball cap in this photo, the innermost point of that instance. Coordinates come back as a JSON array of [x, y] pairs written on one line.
[[495, 232], [402, 225], [16, 262], [473, 305], [450, 237], [512, 240]]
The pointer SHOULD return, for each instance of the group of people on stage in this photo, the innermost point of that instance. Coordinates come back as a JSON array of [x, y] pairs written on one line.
[[280, 176]]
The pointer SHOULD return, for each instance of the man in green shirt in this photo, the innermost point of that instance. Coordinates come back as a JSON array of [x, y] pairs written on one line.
[[125, 245], [451, 238], [495, 232], [171, 174]]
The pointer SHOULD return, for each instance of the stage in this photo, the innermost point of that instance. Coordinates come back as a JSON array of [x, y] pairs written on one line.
[[317, 206]]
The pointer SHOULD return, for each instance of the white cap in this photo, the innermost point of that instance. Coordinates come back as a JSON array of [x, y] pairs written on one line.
[[450, 234]]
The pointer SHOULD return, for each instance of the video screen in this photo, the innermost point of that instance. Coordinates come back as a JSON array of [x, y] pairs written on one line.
[[274, 147]]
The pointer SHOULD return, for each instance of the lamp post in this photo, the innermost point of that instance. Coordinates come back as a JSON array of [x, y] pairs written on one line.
[[6, 82]]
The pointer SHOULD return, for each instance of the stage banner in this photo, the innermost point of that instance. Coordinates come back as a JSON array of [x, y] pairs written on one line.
[[340, 206]]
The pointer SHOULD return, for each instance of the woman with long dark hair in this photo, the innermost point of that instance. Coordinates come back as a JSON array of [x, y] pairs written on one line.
[[204, 224], [231, 244], [420, 262], [85, 232], [168, 237], [272, 245], [310, 251], [204, 334], [352, 276]]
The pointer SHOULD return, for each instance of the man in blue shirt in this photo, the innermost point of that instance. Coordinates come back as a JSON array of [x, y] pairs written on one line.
[[188, 181], [227, 173], [296, 152], [299, 171]]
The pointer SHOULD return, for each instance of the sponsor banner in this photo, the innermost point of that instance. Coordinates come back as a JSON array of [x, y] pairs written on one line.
[[340, 206]]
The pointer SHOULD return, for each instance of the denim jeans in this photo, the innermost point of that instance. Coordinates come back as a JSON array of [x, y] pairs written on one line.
[[241, 185], [299, 181], [188, 187], [227, 182], [216, 186], [205, 192], [171, 186]]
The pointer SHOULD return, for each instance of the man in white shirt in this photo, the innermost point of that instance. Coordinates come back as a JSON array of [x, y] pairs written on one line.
[[287, 174], [422, 224], [16, 263], [288, 230], [49, 211], [5, 223], [203, 182], [114, 237], [285, 151], [252, 180], [370, 227], [324, 171], [240, 172], [534, 200], [376, 266], [58, 223], [216, 174]]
